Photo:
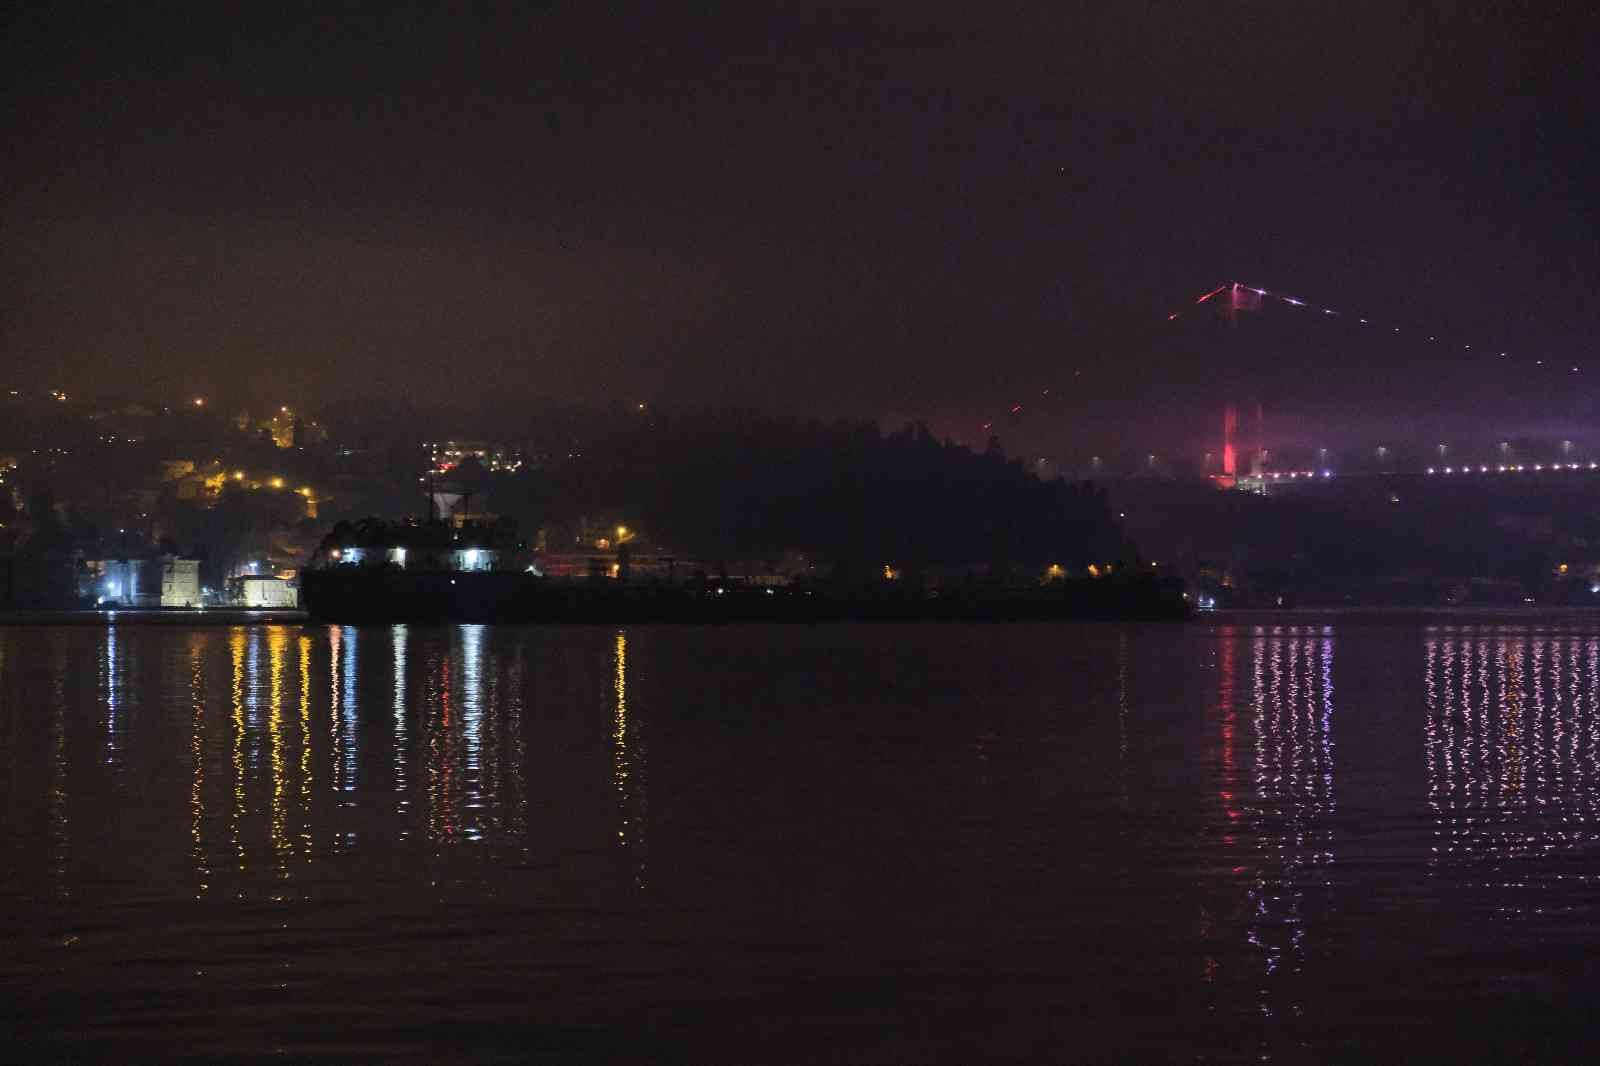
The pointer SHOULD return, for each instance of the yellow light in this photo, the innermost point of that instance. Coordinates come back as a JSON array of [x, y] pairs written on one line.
[[1094, 571], [622, 531], [199, 401], [238, 475], [277, 482]]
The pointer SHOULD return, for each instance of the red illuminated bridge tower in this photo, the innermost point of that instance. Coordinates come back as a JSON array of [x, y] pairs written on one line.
[[1234, 465]]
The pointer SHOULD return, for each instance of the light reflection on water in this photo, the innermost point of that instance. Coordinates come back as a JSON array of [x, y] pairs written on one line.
[[399, 635], [1001, 832], [1513, 759], [1287, 813]]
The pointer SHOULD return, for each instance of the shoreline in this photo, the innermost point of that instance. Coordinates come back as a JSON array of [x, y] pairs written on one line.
[[99, 616], [1273, 616]]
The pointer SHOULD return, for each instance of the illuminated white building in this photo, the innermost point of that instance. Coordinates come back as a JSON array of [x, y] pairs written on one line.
[[164, 581]]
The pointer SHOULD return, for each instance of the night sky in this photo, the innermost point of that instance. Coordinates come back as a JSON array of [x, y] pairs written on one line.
[[910, 210]]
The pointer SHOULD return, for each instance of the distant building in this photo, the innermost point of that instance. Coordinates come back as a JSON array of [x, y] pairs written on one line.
[[265, 592], [180, 581], [429, 547], [161, 581]]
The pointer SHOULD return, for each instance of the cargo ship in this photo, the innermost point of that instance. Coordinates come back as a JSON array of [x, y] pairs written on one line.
[[440, 572]]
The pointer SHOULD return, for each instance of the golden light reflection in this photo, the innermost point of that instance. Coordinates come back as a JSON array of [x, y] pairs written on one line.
[[625, 771], [442, 752], [335, 634], [197, 736], [277, 644], [236, 648], [305, 748], [619, 732]]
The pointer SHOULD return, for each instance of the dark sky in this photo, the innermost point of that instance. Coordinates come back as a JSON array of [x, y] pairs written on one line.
[[921, 209]]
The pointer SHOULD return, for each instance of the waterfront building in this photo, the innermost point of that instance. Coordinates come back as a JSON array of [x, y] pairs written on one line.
[[264, 592], [157, 581]]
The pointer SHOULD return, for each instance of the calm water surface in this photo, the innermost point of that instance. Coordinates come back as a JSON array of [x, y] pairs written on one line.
[[1215, 842]]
